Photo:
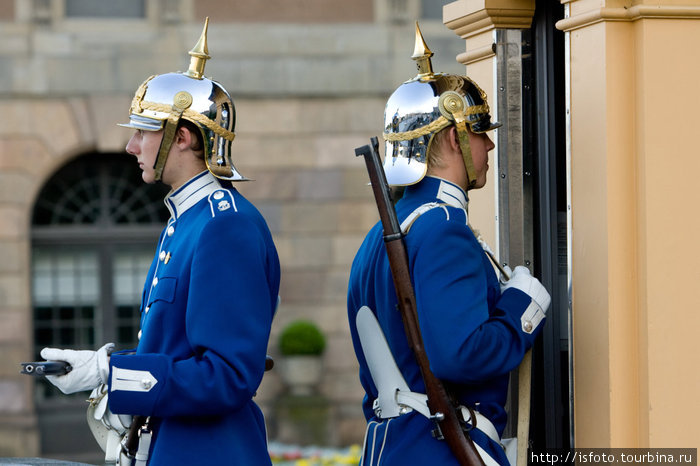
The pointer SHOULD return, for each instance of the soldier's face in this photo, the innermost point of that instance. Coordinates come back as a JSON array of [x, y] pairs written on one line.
[[480, 145], [144, 146]]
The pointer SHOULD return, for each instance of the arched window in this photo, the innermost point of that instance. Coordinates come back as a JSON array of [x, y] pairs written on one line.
[[94, 229]]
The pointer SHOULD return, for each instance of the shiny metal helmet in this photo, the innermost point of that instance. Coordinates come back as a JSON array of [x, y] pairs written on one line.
[[163, 100], [421, 107]]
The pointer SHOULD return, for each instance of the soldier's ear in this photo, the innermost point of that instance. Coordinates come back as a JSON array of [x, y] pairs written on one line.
[[183, 138], [453, 139]]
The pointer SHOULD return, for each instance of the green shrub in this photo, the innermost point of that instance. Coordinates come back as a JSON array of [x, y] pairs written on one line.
[[301, 337]]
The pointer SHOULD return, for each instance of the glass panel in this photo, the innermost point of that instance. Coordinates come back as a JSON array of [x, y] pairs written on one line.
[[65, 277], [65, 290], [105, 9], [130, 269], [129, 272]]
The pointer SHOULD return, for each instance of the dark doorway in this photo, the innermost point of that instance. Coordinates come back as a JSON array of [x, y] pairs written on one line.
[[94, 229], [544, 109]]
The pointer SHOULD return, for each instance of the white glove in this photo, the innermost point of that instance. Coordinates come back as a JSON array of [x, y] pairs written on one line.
[[522, 280], [90, 368]]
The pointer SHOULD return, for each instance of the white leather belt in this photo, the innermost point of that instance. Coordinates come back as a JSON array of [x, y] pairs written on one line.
[[394, 397]]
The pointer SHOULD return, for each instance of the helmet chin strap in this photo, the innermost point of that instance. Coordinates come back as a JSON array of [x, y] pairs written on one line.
[[463, 136], [181, 102], [454, 106]]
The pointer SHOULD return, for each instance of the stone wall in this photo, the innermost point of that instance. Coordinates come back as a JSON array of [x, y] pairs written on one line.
[[308, 90], [313, 192]]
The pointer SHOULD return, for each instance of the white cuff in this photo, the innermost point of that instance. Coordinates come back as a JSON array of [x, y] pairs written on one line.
[[532, 317]]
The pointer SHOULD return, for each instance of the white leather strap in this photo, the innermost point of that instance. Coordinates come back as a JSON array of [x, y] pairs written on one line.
[[413, 216], [394, 395], [144, 445], [113, 447], [413, 400], [382, 366]]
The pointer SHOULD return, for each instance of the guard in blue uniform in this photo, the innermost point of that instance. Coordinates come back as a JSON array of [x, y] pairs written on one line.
[[475, 329], [210, 294]]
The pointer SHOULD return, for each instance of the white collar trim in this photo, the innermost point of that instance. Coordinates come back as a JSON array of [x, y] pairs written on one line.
[[196, 189], [452, 194]]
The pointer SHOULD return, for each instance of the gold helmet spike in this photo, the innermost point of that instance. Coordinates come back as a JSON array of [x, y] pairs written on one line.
[[422, 54], [199, 54]]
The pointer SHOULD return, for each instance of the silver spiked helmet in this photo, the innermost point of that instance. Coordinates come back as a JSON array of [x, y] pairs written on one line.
[[421, 107], [163, 100]]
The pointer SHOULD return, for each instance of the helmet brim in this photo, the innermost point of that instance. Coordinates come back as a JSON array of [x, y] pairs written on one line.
[[142, 123], [481, 130]]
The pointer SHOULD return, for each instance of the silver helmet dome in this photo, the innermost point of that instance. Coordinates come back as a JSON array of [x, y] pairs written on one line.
[[420, 108], [163, 100]]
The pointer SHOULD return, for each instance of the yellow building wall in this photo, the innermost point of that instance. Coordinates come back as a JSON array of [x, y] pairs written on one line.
[[669, 227], [634, 227], [634, 161]]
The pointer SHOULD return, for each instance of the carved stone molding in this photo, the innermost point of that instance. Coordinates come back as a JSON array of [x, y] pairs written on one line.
[[472, 17], [632, 13]]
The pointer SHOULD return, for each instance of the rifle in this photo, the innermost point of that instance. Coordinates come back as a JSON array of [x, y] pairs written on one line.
[[442, 410]]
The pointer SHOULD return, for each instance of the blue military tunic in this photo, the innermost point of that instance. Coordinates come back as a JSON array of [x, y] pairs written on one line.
[[473, 335], [207, 308]]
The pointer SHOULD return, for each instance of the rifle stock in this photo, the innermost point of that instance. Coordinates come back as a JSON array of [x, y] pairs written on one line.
[[441, 407]]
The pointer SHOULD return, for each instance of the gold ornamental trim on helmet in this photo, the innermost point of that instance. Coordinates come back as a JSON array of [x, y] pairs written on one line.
[[138, 106], [182, 99], [451, 102], [138, 96], [434, 126]]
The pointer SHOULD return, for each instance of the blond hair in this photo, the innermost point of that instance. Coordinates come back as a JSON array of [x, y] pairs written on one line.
[[437, 142]]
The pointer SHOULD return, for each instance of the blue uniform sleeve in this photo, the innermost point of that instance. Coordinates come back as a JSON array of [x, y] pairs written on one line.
[[228, 318], [465, 340]]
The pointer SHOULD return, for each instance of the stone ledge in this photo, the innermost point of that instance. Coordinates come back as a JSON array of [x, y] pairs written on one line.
[[633, 13]]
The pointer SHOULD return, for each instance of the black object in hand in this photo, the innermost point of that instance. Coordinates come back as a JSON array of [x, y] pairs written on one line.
[[42, 368]]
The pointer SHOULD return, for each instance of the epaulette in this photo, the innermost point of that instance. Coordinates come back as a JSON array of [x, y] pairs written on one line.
[[221, 201]]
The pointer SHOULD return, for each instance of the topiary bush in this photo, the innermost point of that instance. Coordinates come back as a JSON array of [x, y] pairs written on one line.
[[301, 337]]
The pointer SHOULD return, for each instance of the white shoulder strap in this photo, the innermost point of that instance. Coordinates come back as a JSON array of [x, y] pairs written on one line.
[[413, 216]]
